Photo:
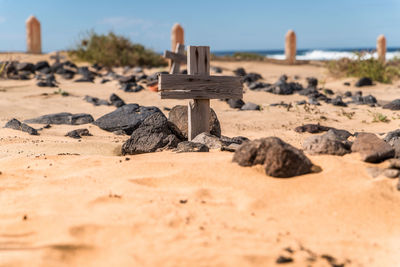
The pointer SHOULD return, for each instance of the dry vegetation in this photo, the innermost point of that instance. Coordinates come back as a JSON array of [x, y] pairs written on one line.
[[113, 50]]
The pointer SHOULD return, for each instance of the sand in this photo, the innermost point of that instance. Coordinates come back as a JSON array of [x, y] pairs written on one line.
[[68, 202]]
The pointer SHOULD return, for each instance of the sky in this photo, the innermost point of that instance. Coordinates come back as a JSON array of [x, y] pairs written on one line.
[[222, 25]]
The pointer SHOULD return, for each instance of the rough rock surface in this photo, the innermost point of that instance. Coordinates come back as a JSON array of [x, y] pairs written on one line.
[[211, 141], [394, 105], [278, 158], [328, 143], [78, 133], [179, 114], [372, 148], [187, 146], [155, 133], [312, 128], [63, 118], [126, 118], [17, 125]]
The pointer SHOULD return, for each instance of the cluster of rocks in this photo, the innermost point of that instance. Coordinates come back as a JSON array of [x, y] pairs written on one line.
[[370, 147], [314, 94]]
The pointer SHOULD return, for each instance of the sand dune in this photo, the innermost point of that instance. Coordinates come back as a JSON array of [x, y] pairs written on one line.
[[77, 202]]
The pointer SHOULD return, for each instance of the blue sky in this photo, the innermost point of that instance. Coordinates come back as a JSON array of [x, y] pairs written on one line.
[[223, 25]]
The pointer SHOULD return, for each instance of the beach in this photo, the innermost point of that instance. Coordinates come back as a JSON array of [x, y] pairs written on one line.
[[79, 202]]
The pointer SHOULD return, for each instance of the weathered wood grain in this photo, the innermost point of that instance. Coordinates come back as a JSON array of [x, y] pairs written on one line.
[[198, 109], [176, 65], [182, 86], [175, 57]]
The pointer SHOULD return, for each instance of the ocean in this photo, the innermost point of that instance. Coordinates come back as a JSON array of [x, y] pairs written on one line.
[[319, 54]]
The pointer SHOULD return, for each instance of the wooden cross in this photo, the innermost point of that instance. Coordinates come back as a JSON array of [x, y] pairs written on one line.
[[199, 86], [176, 58], [57, 57]]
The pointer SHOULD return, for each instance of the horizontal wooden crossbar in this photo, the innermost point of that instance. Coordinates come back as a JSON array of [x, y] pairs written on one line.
[[175, 56], [180, 86]]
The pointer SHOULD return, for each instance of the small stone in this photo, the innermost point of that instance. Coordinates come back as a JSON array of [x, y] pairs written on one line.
[[188, 146], [391, 173], [394, 105], [211, 141], [374, 172], [78, 133], [63, 118], [372, 148], [312, 128], [17, 125], [284, 259], [365, 81], [250, 106], [235, 103]]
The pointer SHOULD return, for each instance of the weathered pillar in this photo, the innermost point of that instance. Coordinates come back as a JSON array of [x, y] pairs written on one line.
[[177, 36], [290, 47], [33, 36], [381, 48]]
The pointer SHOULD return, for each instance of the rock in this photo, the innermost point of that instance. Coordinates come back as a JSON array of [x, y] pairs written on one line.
[[394, 105], [372, 148], [391, 173], [369, 100], [116, 101], [365, 81], [239, 72], [85, 79], [127, 79], [178, 116], [346, 84], [259, 86], [347, 93], [312, 82], [394, 163], [187, 146], [392, 136], [282, 87], [327, 143], [339, 133], [126, 118], [235, 103], [395, 143], [338, 102], [251, 77], [250, 106], [41, 65], [96, 101], [78, 133], [278, 158], [63, 118], [313, 101], [137, 69], [211, 141], [328, 91], [131, 87], [234, 140], [26, 66], [17, 125], [216, 69], [312, 128], [154, 133], [103, 81], [284, 259]]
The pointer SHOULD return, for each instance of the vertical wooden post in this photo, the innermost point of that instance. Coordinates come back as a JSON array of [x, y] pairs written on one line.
[[177, 37], [290, 47], [198, 109], [381, 48], [33, 36], [180, 49]]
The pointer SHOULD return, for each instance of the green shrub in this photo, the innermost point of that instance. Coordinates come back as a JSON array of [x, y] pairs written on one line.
[[113, 50], [371, 68], [240, 56]]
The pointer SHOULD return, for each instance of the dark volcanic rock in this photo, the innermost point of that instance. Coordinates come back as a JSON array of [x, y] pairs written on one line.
[[282, 87], [96, 101], [116, 101], [126, 118], [312, 82], [277, 157], [365, 81], [338, 102], [235, 103], [26, 66], [178, 116], [63, 118], [17, 125], [312, 128], [328, 143], [131, 87], [78, 133], [251, 78], [372, 148], [187, 146], [127, 79], [41, 65], [239, 72], [394, 105], [216, 69], [155, 133]]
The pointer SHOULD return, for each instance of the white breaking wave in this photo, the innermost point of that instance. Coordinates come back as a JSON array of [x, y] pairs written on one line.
[[333, 55]]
